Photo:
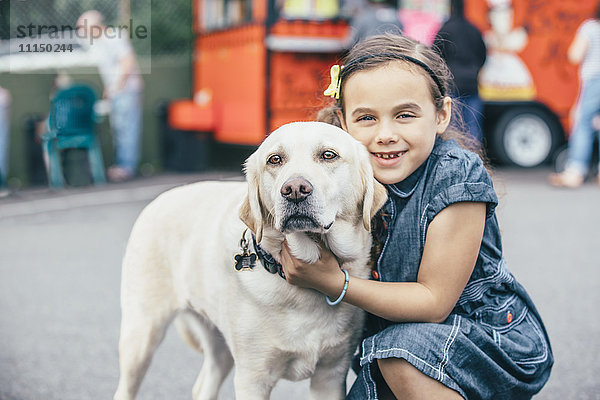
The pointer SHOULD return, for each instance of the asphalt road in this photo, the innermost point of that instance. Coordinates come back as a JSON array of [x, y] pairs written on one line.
[[60, 259]]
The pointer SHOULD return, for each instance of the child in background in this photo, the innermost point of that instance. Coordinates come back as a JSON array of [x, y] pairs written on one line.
[[447, 320]]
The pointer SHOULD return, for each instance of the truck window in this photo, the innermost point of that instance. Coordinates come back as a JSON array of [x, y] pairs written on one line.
[[313, 9], [221, 14]]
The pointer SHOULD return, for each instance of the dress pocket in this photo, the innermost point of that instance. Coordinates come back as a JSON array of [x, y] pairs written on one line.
[[515, 330]]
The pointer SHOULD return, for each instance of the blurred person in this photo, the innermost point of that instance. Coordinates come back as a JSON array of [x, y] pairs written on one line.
[[585, 52], [5, 100], [123, 88], [376, 17], [420, 21], [461, 45], [61, 80]]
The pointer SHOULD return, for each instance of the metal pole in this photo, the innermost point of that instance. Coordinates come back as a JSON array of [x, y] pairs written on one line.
[[124, 11]]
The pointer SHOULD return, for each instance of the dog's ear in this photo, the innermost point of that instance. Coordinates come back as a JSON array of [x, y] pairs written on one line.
[[251, 209], [375, 194]]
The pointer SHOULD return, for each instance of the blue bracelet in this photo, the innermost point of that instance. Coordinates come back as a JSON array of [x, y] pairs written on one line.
[[339, 299]]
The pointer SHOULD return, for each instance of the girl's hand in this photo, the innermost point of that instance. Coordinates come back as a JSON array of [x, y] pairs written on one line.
[[325, 275]]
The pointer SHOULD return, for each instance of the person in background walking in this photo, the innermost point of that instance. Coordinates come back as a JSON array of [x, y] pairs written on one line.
[[461, 45], [4, 138], [585, 52], [123, 87], [378, 17]]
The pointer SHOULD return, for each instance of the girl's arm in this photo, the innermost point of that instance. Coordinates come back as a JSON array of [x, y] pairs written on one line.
[[451, 249], [577, 49]]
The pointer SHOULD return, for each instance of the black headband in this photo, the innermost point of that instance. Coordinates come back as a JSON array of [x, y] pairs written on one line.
[[392, 57]]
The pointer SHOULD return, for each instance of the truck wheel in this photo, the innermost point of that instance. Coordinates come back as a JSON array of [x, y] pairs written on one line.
[[560, 158], [526, 137]]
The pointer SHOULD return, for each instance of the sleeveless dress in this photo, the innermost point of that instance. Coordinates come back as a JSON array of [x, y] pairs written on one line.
[[494, 344]]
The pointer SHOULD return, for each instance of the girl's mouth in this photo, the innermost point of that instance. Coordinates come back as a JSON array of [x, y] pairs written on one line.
[[388, 158]]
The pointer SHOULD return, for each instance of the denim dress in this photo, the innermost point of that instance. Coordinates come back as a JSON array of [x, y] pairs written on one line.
[[494, 344]]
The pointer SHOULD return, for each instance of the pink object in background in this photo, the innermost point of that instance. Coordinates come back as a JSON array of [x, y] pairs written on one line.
[[420, 25]]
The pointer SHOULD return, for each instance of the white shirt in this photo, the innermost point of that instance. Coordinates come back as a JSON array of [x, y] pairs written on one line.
[[108, 51], [590, 66]]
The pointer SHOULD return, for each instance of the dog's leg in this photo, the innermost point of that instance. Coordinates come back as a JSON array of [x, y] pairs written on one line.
[[251, 387], [216, 366], [140, 336], [142, 330], [255, 373], [329, 380], [217, 358]]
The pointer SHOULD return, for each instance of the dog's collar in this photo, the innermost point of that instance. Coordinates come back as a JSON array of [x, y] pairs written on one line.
[[267, 260]]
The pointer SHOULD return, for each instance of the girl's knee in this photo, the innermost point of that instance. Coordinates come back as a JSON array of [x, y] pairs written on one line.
[[399, 369], [406, 381]]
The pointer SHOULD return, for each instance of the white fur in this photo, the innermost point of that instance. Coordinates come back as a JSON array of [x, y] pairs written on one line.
[[179, 264]]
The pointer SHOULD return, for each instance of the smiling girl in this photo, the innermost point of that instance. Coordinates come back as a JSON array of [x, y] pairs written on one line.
[[447, 320]]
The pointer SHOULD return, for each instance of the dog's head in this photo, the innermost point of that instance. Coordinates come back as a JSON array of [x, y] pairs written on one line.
[[304, 176]]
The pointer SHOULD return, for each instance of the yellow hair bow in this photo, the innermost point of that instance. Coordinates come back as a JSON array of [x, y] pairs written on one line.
[[334, 87]]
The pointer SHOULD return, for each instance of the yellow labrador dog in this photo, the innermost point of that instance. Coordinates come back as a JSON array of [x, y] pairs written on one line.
[[191, 258]]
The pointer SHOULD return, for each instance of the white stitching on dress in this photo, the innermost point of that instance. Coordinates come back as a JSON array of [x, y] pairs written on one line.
[[449, 342], [496, 336], [372, 355], [544, 356], [446, 190], [368, 372], [476, 289], [444, 350], [423, 224], [487, 278], [510, 326]]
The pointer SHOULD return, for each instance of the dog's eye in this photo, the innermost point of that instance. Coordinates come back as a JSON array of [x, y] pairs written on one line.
[[329, 155], [274, 159]]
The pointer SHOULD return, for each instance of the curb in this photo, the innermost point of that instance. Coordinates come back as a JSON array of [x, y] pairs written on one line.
[[38, 201]]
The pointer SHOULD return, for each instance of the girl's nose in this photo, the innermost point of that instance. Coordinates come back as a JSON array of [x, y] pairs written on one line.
[[386, 135]]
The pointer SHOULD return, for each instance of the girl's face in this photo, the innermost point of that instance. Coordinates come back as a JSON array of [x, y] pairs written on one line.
[[390, 110]]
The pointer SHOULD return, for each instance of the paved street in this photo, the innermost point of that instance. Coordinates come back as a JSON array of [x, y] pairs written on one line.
[[60, 271]]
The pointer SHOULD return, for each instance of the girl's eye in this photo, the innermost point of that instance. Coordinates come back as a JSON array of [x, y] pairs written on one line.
[[365, 118], [274, 159], [329, 155], [404, 116]]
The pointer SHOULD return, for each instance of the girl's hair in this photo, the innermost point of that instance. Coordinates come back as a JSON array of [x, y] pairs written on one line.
[[377, 51]]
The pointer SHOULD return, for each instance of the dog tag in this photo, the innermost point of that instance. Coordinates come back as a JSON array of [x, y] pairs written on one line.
[[245, 261]]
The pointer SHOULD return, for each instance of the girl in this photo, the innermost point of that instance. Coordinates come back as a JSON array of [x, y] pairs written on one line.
[[447, 320]]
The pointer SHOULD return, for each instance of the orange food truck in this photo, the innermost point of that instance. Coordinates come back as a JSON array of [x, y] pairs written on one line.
[[259, 64], [527, 83]]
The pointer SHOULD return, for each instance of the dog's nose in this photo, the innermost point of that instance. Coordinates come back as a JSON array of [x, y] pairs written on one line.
[[296, 189]]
